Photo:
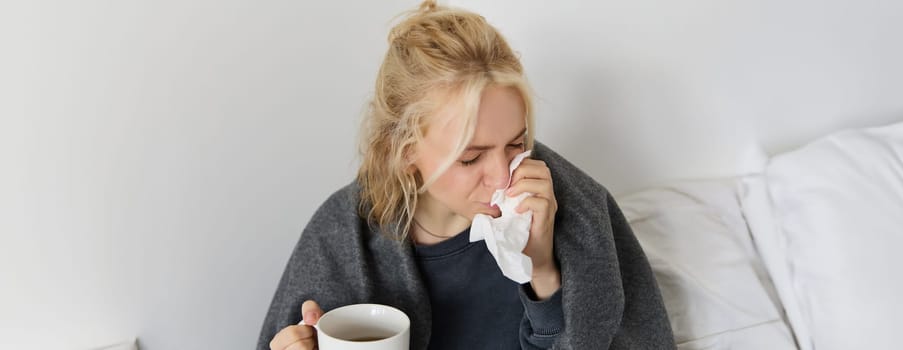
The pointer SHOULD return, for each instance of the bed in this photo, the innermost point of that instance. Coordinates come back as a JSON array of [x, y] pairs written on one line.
[[798, 255]]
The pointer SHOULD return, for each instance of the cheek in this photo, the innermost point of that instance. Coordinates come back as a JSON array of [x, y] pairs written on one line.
[[458, 183]]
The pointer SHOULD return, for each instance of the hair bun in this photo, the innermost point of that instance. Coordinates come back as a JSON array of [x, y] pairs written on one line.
[[428, 5]]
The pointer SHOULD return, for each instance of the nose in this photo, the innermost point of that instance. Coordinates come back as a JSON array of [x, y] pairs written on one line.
[[496, 173]]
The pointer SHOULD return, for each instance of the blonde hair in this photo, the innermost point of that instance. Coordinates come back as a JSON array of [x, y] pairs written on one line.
[[436, 55]]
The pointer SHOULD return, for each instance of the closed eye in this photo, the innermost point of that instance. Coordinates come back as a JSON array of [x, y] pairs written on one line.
[[474, 159], [471, 161]]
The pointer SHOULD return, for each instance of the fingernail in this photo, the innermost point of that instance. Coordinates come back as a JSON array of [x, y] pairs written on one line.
[[309, 317]]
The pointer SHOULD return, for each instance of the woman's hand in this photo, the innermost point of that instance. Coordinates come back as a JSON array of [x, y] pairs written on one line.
[[534, 176], [300, 337]]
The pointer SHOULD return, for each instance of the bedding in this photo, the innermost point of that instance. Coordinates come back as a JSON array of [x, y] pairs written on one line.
[[715, 288], [827, 219]]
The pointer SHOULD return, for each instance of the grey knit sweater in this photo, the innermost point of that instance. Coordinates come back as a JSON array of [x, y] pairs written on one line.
[[609, 295]]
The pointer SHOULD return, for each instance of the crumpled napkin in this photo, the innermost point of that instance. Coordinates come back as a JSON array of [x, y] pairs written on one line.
[[507, 235]]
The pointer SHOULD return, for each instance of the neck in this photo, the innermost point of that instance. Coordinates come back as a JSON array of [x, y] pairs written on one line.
[[435, 222]]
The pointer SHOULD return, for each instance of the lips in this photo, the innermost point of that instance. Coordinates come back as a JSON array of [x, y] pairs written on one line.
[[490, 210]]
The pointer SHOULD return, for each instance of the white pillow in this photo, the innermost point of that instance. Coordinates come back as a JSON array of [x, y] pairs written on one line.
[[831, 236], [714, 287]]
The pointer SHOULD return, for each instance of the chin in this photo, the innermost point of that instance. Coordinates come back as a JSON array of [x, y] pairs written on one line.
[[491, 212]]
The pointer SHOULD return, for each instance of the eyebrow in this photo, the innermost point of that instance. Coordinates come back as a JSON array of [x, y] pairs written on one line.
[[483, 148]]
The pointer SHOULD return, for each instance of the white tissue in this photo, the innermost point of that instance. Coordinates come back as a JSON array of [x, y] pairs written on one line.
[[507, 235]]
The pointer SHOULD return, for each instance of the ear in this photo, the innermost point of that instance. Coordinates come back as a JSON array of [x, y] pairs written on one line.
[[409, 156]]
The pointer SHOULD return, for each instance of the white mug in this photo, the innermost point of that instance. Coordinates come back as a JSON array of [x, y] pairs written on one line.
[[363, 327]]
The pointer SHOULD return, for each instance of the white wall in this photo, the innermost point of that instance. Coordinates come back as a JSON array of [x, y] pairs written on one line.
[[166, 155], [159, 158], [636, 92]]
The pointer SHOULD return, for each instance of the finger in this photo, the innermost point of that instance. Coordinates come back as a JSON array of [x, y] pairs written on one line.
[[306, 344], [540, 188], [311, 312], [538, 205], [531, 168], [290, 335]]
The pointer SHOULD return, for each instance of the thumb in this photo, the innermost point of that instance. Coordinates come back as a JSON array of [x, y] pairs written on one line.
[[311, 312]]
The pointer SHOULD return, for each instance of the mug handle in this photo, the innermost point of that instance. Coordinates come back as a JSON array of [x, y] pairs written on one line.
[[305, 324]]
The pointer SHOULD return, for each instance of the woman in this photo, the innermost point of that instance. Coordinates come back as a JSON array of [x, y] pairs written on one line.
[[450, 112]]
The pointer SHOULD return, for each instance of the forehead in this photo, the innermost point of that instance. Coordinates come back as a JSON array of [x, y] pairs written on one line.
[[500, 112]]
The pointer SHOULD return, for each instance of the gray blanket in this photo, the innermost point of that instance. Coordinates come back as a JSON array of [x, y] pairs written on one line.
[[610, 297]]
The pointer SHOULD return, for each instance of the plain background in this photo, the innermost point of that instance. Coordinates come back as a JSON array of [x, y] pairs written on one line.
[[160, 158]]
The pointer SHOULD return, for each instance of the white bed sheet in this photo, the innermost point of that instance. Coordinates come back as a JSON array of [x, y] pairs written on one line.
[[715, 289]]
